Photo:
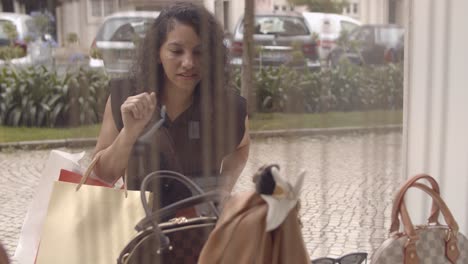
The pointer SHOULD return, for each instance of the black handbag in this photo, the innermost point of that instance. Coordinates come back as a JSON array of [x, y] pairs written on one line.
[[178, 240]]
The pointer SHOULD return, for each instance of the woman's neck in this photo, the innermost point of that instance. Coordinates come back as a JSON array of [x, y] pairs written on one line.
[[176, 101]]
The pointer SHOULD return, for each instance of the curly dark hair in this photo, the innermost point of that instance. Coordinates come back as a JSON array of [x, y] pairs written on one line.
[[149, 73]]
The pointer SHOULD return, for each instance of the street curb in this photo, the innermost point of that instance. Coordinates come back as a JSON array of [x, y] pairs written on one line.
[[90, 142], [325, 131]]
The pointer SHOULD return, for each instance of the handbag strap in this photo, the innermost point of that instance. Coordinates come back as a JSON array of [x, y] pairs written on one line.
[[172, 208], [165, 174], [451, 245], [433, 218], [163, 239]]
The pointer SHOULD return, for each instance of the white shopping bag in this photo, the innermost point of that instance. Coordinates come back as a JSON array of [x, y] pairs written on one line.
[[91, 225], [32, 225]]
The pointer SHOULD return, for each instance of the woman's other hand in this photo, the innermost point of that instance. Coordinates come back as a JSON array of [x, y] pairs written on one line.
[[137, 112]]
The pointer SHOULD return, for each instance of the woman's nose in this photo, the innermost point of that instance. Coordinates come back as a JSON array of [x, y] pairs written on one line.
[[187, 61]]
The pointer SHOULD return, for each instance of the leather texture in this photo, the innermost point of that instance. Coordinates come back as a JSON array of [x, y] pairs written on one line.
[[430, 244], [178, 240], [240, 235], [185, 239]]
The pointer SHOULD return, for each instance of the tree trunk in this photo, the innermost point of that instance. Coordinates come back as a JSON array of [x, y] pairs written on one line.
[[248, 82]]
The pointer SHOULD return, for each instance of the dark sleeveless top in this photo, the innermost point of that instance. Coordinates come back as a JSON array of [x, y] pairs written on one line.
[[193, 144]]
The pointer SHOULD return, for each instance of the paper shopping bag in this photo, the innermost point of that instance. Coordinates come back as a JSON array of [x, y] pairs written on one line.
[[91, 225], [73, 177], [32, 225]]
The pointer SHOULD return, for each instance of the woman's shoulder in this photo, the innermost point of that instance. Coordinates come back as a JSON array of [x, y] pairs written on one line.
[[237, 100]]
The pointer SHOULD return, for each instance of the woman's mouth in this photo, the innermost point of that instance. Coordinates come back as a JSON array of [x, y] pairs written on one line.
[[188, 76]]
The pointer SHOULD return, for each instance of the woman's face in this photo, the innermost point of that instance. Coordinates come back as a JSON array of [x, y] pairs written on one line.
[[180, 56]]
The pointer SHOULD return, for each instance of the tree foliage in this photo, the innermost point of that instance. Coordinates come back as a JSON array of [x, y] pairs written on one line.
[[323, 6]]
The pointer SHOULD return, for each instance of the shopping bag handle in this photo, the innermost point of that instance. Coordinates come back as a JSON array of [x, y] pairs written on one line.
[[433, 218], [90, 169], [451, 247]]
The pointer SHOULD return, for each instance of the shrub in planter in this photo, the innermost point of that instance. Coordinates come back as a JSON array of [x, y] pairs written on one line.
[[318, 97], [86, 97], [344, 83], [31, 96], [345, 88], [11, 52], [36, 96]]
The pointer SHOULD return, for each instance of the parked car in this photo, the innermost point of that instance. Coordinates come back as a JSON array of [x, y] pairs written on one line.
[[281, 38], [113, 48], [371, 45], [328, 28], [35, 49]]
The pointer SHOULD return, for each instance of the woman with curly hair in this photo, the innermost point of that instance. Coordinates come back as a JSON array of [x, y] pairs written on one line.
[[182, 64]]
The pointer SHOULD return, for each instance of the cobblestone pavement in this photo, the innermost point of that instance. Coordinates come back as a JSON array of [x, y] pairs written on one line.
[[345, 200]]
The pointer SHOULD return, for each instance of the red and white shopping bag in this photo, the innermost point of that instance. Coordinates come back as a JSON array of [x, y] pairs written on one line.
[[60, 166]]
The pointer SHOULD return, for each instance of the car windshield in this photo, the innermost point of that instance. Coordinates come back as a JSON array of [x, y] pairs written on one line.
[[388, 35], [123, 28], [279, 25]]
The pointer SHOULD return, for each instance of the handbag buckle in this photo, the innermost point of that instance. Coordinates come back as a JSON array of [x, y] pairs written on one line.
[[448, 235], [178, 220], [159, 251]]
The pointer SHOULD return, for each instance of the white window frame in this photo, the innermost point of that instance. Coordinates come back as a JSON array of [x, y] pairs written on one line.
[[96, 19]]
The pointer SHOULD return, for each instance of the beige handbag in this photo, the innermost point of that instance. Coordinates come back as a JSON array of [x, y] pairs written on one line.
[[428, 244]]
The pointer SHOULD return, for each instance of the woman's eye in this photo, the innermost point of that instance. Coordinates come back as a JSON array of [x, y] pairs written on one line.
[[177, 51]]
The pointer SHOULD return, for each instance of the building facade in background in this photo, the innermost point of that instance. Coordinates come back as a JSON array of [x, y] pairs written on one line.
[[84, 17]]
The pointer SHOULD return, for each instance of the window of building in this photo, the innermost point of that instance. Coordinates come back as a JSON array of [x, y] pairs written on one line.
[[101, 8], [355, 8], [275, 7], [347, 9]]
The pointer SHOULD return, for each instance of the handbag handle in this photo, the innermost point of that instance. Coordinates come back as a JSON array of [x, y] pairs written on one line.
[[172, 208], [163, 239], [169, 175], [451, 246], [433, 218]]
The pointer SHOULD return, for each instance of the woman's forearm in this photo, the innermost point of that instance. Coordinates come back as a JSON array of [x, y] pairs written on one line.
[[113, 160]]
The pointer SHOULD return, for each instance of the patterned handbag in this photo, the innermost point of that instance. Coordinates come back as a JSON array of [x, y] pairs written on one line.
[[429, 244], [179, 240]]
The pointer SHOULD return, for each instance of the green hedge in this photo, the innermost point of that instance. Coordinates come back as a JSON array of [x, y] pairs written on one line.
[[37, 96], [344, 88]]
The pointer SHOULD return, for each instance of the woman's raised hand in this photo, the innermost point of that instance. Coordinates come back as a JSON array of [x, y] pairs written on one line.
[[137, 112]]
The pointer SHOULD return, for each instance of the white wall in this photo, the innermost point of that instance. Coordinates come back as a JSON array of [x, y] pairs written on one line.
[[210, 5], [69, 20], [73, 18], [237, 10], [435, 116], [373, 11]]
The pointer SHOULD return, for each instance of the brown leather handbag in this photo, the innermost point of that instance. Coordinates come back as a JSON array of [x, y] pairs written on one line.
[[178, 240], [241, 237], [429, 244]]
